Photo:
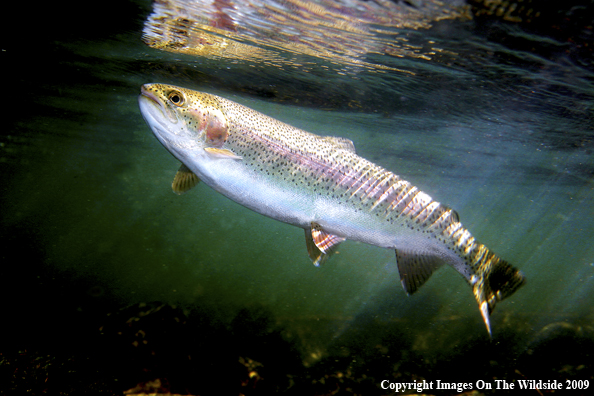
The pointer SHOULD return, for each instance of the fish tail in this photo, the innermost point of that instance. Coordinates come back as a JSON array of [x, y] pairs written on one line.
[[494, 280]]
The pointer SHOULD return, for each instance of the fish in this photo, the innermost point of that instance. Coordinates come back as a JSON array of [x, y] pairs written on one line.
[[320, 184]]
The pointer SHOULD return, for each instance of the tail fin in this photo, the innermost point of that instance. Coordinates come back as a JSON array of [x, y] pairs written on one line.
[[494, 280]]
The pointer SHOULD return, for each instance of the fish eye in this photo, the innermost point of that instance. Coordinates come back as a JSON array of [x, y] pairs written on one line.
[[176, 98]]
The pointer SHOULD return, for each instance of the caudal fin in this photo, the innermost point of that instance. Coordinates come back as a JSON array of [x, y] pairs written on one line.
[[495, 279]]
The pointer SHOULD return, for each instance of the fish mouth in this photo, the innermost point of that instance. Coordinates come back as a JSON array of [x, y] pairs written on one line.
[[149, 95], [160, 119], [154, 112]]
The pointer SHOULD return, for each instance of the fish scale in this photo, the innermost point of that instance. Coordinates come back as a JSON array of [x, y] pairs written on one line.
[[320, 184]]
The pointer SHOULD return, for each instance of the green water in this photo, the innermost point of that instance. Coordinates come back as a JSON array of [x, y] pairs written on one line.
[[90, 224]]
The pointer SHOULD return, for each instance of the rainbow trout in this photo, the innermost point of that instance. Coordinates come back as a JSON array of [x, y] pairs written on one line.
[[321, 185]]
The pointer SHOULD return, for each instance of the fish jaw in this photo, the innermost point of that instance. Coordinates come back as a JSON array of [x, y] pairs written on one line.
[[155, 109], [168, 126]]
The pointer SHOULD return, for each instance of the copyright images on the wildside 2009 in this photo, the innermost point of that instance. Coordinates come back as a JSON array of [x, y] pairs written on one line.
[[498, 384]]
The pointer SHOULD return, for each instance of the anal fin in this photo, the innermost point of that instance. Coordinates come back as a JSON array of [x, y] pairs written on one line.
[[320, 244], [184, 180], [415, 268]]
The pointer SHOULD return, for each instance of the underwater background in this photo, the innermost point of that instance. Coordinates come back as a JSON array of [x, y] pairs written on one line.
[[112, 283]]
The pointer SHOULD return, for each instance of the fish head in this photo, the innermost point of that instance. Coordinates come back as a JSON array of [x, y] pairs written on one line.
[[185, 121]]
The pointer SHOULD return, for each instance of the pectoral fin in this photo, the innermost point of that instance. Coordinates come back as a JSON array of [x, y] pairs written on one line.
[[221, 153], [184, 180], [320, 244], [415, 269]]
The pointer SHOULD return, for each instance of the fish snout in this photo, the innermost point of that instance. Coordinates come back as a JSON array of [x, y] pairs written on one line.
[[152, 99]]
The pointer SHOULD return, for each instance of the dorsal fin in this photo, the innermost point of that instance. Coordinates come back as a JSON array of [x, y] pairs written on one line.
[[415, 269], [341, 143], [184, 180], [320, 244]]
